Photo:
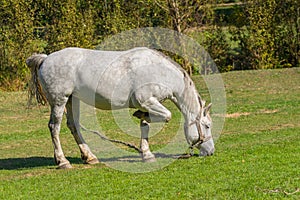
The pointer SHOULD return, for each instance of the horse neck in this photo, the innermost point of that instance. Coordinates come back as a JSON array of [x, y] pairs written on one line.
[[188, 102]]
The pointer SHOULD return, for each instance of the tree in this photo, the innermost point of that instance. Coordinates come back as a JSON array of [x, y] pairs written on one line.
[[40, 26], [17, 42], [70, 23], [271, 39], [287, 32], [185, 15]]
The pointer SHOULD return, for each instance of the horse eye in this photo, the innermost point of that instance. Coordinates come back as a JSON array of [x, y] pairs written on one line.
[[207, 126]]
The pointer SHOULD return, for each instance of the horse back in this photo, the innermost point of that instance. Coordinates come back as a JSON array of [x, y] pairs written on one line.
[[107, 78]]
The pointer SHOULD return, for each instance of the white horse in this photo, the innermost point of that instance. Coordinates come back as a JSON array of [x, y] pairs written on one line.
[[139, 78]]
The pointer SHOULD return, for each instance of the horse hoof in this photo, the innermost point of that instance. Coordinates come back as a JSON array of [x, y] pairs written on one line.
[[149, 160], [92, 161], [64, 166]]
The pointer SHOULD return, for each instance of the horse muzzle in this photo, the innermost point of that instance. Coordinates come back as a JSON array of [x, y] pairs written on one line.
[[206, 153], [207, 148]]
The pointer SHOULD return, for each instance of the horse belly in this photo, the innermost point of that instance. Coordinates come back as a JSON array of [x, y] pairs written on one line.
[[103, 98]]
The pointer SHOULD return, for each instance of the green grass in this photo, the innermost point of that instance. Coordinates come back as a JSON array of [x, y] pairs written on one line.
[[257, 155]]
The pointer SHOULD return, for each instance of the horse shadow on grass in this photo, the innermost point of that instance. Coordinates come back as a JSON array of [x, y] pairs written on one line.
[[31, 162], [137, 158]]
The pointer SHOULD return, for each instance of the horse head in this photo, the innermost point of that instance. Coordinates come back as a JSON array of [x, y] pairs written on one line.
[[198, 131]]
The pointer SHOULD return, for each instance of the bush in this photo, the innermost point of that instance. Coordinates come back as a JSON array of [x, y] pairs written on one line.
[[271, 39], [262, 33]]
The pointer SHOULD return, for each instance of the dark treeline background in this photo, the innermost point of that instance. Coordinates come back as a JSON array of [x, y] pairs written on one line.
[[257, 34]]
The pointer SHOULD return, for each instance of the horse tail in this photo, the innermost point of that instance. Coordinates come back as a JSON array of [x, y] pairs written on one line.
[[35, 88]]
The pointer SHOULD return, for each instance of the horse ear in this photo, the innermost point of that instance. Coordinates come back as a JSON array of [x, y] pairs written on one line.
[[206, 109], [200, 100], [202, 103]]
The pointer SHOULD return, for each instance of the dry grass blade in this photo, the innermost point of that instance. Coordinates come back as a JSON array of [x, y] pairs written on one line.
[[291, 193]]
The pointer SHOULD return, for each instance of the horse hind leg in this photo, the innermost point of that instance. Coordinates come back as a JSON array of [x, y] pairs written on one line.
[[73, 106], [54, 127]]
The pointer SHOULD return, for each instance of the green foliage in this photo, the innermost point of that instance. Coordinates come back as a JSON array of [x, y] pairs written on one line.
[[16, 41], [252, 34], [270, 38], [218, 47], [261, 40], [72, 27], [28, 26], [184, 17], [287, 32], [115, 16], [45, 26]]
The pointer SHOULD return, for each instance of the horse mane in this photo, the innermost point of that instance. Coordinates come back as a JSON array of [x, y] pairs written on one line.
[[189, 89]]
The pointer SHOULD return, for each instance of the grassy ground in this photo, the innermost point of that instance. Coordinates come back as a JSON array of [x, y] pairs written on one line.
[[257, 155]]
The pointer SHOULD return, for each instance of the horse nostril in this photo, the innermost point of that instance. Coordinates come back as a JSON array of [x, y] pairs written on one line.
[[202, 154]]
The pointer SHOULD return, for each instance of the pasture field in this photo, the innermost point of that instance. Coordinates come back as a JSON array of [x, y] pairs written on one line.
[[257, 155]]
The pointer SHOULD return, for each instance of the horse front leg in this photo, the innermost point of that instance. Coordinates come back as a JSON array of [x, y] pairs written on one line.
[[54, 127], [156, 113], [147, 156]]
